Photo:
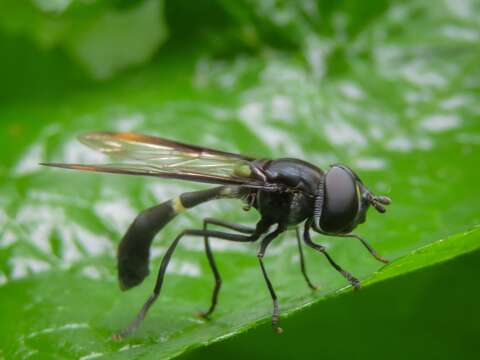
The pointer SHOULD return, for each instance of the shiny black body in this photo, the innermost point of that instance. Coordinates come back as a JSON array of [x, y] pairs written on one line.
[[292, 206], [287, 193], [289, 200]]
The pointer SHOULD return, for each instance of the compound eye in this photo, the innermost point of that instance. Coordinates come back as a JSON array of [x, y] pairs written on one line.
[[341, 201]]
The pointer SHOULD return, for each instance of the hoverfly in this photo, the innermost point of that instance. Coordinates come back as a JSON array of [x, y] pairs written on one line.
[[286, 192]]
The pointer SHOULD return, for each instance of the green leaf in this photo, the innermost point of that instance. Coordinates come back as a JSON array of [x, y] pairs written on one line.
[[431, 254], [391, 90]]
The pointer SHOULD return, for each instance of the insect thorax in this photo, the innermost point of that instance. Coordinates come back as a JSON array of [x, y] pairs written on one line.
[[290, 208]]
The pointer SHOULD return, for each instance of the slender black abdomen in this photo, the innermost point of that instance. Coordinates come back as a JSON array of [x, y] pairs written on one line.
[[134, 249]]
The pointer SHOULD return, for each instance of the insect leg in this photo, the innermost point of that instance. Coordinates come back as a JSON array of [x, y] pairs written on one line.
[[244, 229], [211, 260], [306, 237], [261, 252], [302, 261], [370, 249], [261, 228]]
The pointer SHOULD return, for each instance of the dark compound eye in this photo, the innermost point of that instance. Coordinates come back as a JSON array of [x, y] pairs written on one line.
[[341, 201]]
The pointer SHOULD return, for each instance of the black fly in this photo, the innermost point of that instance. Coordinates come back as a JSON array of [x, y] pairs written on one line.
[[286, 192]]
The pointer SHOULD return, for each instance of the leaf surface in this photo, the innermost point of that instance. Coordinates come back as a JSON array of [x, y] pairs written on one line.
[[391, 90]]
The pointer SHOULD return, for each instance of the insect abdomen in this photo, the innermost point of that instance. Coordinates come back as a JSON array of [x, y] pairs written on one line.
[[134, 249]]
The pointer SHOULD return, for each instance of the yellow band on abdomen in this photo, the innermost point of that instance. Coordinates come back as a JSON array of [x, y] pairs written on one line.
[[177, 205]]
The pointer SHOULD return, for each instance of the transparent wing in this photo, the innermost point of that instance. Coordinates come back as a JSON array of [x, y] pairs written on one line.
[[153, 156], [165, 155]]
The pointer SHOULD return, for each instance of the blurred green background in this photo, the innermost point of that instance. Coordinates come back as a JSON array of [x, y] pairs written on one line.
[[390, 88]]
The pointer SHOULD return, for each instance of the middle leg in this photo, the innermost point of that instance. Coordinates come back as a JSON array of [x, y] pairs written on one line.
[[261, 252], [211, 260]]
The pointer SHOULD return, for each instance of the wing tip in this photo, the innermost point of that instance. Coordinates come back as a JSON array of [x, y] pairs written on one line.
[[88, 137], [49, 164], [104, 141]]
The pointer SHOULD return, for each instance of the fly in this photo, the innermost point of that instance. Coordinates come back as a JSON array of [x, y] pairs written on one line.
[[286, 192]]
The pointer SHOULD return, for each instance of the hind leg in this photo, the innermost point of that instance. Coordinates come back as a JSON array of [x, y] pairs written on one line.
[[261, 228]]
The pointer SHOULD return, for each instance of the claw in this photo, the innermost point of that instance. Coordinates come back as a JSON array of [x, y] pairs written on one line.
[[117, 337], [202, 315], [356, 284], [382, 259], [314, 287]]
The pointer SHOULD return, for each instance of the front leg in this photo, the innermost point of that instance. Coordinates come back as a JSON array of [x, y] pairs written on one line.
[[364, 242], [370, 249], [307, 239], [302, 261]]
